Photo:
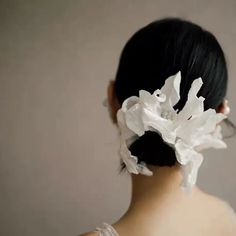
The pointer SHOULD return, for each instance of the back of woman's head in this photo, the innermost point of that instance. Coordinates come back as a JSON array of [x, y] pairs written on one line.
[[159, 50]]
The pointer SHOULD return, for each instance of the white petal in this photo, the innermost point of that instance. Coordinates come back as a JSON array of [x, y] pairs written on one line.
[[183, 152], [150, 102], [194, 104], [125, 132], [213, 140], [134, 120], [142, 169], [190, 172], [129, 102], [198, 125], [161, 97], [129, 160], [211, 121], [131, 115], [171, 90], [208, 142], [217, 132], [160, 125]]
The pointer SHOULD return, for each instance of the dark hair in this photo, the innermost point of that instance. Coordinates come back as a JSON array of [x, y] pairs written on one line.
[[158, 50]]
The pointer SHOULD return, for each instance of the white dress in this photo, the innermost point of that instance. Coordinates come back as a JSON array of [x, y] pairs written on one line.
[[106, 230]]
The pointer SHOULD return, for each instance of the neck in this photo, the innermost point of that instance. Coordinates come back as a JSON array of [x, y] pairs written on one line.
[[164, 185], [153, 196]]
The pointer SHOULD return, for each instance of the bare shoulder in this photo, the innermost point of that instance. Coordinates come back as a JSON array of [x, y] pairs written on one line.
[[222, 214], [227, 212], [222, 207], [89, 234]]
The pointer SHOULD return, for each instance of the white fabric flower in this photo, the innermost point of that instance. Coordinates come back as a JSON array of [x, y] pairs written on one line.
[[188, 131]]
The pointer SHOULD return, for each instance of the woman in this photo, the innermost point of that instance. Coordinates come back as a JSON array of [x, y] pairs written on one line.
[[159, 206]]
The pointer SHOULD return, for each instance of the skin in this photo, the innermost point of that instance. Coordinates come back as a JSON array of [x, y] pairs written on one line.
[[159, 206]]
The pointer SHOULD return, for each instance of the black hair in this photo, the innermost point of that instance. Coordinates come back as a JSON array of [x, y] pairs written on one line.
[[159, 50]]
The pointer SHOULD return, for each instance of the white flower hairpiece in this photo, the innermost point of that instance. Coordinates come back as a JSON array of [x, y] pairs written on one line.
[[188, 131]]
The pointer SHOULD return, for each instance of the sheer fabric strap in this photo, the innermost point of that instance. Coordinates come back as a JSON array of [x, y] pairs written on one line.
[[106, 230]]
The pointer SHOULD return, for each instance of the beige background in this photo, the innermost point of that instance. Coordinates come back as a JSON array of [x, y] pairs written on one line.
[[58, 148]]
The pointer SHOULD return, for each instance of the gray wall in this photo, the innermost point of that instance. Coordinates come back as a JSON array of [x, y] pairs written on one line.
[[58, 148]]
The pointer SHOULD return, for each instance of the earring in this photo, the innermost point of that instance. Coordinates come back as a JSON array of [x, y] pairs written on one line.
[[227, 108]]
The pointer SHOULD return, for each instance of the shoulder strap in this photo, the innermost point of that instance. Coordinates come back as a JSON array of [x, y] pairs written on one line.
[[106, 230]]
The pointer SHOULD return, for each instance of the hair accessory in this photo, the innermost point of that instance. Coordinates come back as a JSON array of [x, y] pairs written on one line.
[[188, 131]]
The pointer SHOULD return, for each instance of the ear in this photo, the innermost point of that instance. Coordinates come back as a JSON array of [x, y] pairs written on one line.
[[113, 103], [223, 107], [220, 108]]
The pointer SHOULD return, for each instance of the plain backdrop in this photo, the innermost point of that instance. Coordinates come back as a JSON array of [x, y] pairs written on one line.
[[58, 148]]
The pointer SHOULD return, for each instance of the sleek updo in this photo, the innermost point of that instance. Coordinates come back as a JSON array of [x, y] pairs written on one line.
[[159, 50]]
